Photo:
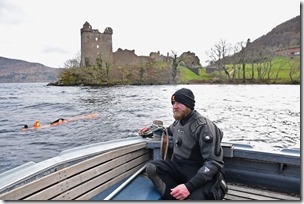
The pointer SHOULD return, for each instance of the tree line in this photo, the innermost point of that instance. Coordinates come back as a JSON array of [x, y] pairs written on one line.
[[239, 63], [243, 62]]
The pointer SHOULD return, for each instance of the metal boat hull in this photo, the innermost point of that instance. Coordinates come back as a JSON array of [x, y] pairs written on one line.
[[92, 172]]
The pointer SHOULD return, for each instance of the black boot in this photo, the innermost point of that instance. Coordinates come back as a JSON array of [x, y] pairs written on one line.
[[152, 174]]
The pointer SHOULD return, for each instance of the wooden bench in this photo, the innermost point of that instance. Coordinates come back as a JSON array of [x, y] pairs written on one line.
[[242, 192], [86, 179]]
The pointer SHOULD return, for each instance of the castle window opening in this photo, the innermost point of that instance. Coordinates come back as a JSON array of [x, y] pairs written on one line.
[[97, 46], [96, 39]]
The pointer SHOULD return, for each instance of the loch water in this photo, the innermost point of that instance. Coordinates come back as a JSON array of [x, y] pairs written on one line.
[[267, 117]]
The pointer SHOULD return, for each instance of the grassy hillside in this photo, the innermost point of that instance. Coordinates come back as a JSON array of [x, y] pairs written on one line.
[[187, 76], [277, 70]]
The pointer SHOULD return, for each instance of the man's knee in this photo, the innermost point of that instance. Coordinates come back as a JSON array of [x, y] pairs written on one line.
[[151, 169]]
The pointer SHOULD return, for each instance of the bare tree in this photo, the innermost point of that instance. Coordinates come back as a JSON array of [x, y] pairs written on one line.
[[242, 62], [294, 68], [236, 59], [261, 67], [74, 62], [218, 55]]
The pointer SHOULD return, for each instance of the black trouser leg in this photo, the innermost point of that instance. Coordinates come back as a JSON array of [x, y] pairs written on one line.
[[166, 172]]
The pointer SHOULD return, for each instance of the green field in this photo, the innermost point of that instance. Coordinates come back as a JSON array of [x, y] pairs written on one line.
[[277, 71]]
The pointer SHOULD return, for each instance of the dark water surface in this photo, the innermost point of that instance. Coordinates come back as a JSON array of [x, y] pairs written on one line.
[[264, 116]]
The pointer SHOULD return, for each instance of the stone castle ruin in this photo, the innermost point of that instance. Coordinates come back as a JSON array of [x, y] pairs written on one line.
[[96, 45]]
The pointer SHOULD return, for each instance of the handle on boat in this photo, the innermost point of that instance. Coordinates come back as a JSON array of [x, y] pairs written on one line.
[[111, 195]]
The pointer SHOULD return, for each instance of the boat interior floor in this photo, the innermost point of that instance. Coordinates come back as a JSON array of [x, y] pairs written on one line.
[[141, 188]]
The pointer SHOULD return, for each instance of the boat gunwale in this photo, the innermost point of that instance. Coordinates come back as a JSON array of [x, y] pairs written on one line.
[[286, 156]]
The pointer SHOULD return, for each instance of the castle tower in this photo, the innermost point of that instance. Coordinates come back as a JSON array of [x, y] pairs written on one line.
[[95, 44]]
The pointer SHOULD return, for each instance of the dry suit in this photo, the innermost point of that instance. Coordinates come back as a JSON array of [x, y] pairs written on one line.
[[197, 160]]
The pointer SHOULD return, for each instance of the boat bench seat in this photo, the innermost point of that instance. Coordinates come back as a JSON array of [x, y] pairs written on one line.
[[243, 192], [85, 179]]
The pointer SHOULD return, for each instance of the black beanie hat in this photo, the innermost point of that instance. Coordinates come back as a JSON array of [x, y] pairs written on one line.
[[184, 96]]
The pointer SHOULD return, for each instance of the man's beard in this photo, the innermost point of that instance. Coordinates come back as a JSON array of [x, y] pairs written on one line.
[[180, 114]]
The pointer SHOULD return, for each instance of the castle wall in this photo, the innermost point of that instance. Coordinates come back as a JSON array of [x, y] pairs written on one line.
[[158, 57], [128, 57]]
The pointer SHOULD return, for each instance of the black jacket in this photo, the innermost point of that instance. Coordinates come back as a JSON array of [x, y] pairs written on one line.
[[197, 143]]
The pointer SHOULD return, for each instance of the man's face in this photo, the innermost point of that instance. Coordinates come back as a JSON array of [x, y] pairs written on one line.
[[180, 111]]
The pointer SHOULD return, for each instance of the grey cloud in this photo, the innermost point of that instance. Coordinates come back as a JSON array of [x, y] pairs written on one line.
[[53, 49]]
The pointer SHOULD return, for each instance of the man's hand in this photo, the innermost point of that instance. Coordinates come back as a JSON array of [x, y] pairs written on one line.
[[180, 192], [144, 132]]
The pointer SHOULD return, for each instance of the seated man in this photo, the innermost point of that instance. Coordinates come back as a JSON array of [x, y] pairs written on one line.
[[195, 170]]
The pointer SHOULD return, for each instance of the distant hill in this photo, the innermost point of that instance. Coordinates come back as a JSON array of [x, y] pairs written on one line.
[[284, 36], [19, 71]]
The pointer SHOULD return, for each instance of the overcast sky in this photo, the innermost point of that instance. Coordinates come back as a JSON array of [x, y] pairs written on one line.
[[48, 31]]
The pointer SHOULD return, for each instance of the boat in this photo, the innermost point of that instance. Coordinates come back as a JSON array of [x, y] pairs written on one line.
[[115, 170]]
